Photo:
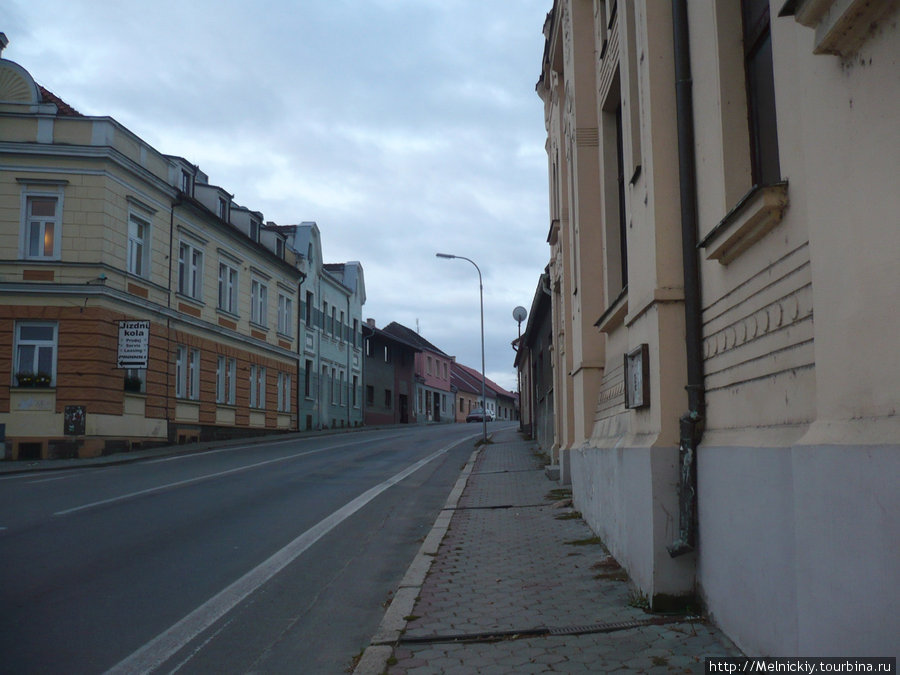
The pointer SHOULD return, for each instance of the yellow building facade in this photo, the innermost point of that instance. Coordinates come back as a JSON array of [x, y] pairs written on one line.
[[724, 242], [104, 243]]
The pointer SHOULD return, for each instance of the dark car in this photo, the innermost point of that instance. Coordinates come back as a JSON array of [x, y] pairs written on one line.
[[477, 416]]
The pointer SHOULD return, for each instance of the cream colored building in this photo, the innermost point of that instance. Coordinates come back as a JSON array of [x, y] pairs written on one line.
[[98, 228], [724, 260]]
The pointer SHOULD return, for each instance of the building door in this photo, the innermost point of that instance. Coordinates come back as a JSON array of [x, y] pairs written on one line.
[[437, 407], [404, 409]]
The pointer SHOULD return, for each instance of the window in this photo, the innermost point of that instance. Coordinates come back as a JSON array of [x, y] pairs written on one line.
[[186, 183], [370, 395], [138, 245], [36, 352], [355, 331], [333, 328], [187, 372], [343, 395], [461, 404], [254, 229], [222, 211], [428, 369], [353, 393], [228, 288], [368, 346], [324, 317], [285, 313], [279, 247], [760, 92], [387, 354], [341, 332], [190, 270], [259, 296], [334, 391], [307, 379], [135, 380], [284, 392], [309, 308], [226, 371], [387, 398], [41, 239], [257, 386]]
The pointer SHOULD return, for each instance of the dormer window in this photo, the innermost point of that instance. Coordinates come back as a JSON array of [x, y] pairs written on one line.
[[186, 183], [279, 248], [254, 230], [223, 209]]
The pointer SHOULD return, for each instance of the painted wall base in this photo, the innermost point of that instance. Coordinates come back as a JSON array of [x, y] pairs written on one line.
[[799, 547]]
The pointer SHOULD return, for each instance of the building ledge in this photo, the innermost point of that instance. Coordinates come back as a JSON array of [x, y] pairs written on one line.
[[757, 212], [614, 315]]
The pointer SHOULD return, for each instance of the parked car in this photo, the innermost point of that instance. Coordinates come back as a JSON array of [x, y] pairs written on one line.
[[477, 416]]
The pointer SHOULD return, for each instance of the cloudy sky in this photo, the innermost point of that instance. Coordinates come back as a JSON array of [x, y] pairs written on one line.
[[402, 127]]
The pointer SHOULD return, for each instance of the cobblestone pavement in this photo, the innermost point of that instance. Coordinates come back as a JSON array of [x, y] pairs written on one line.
[[520, 584]]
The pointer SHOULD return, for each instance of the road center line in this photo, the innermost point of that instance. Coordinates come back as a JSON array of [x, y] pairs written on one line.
[[168, 643], [196, 479]]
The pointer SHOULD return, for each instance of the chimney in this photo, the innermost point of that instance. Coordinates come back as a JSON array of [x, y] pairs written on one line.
[[3, 42], [370, 323]]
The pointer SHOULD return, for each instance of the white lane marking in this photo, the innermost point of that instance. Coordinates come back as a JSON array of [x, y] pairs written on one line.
[[165, 645], [196, 479]]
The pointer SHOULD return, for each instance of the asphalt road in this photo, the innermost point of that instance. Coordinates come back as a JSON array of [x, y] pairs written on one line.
[[274, 557]]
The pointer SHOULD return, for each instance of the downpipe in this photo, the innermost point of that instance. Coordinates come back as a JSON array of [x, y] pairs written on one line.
[[691, 423]]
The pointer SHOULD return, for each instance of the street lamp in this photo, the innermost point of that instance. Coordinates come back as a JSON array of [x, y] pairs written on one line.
[[519, 315], [450, 256]]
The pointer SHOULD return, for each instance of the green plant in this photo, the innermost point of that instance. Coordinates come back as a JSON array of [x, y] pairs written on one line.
[[25, 379], [638, 599], [133, 384], [42, 380]]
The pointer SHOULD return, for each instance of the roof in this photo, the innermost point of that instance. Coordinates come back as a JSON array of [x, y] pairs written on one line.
[[412, 337], [63, 108], [388, 336], [466, 374]]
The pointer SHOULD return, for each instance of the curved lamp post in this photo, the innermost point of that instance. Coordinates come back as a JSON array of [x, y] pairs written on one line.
[[450, 256]]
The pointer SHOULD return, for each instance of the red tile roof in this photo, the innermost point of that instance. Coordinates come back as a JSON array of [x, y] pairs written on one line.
[[64, 108]]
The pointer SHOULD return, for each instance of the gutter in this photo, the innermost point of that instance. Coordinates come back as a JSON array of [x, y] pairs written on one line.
[[691, 422]]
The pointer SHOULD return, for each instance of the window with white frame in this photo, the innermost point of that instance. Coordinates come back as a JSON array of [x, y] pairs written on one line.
[[138, 245], [257, 386], [42, 234], [284, 392], [285, 314], [190, 270], [187, 372], [259, 297], [254, 229], [228, 288], [36, 346], [226, 371]]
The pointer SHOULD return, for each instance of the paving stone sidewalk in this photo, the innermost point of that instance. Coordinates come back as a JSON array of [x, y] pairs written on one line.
[[519, 584]]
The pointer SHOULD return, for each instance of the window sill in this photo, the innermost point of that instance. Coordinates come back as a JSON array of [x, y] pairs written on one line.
[[757, 213], [614, 316], [841, 26], [190, 298]]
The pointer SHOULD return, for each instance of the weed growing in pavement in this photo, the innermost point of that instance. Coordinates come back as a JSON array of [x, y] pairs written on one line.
[[590, 541], [660, 661], [542, 456], [638, 599], [571, 515], [558, 494], [411, 617]]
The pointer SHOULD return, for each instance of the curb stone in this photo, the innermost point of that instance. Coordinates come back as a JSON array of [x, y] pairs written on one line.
[[375, 658]]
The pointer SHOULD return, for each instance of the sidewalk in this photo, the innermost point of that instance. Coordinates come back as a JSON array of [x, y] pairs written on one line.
[[511, 581]]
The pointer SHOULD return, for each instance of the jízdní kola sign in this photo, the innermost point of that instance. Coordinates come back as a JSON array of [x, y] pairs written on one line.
[[134, 344]]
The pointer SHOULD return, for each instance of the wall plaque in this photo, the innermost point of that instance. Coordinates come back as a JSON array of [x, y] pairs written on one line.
[[637, 377]]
